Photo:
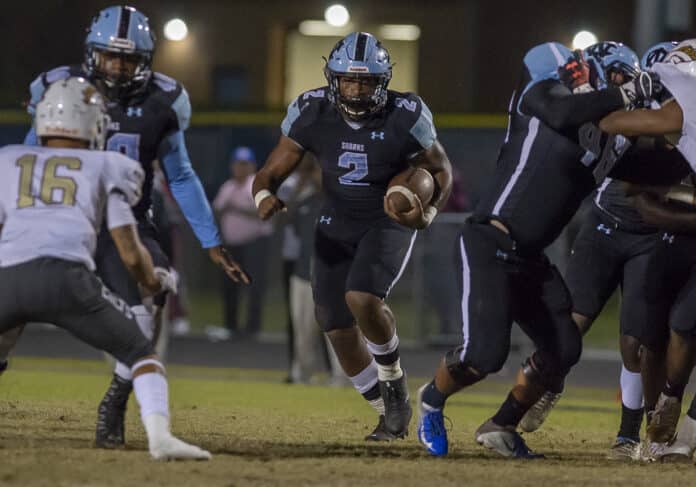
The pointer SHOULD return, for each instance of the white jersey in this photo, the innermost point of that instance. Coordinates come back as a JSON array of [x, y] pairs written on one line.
[[52, 201], [680, 80]]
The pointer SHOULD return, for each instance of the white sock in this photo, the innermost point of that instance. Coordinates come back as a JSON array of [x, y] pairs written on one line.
[[146, 322], [390, 371], [631, 389], [156, 427], [378, 405], [151, 390], [366, 379]]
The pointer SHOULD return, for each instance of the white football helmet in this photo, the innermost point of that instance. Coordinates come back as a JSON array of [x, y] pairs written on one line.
[[72, 108], [683, 56]]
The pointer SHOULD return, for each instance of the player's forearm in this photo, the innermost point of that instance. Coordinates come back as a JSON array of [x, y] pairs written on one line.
[[665, 215], [191, 198], [135, 257], [558, 108], [666, 120]]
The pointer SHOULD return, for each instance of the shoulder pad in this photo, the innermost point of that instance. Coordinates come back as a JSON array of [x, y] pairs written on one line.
[[39, 85], [543, 61], [174, 96], [424, 128], [164, 82], [124, 175], [301, 106]]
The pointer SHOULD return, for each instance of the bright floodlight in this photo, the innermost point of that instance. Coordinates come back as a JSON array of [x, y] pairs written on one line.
[[175, 30], [337, 15], [584, 39]]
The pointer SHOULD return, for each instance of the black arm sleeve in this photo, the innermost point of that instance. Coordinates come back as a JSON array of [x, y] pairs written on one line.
[[559, 108]]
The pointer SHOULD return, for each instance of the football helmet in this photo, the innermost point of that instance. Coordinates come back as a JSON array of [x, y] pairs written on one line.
[[612, 57], [126, 32], [656, 54], [72, 108], [359, 55]]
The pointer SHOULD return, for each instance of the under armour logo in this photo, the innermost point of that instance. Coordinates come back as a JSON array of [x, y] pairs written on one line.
[[668, 237], [501, 255], [134, 112], [603, 229], [325, 219], [377, 135]]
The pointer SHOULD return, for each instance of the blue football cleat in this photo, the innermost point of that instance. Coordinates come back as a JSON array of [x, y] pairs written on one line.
[[431, 427]]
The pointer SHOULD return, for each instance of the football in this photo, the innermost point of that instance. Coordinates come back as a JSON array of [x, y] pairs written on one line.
[[412, 183]]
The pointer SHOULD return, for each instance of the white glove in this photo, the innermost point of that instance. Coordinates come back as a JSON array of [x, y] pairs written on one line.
[[168, 279]]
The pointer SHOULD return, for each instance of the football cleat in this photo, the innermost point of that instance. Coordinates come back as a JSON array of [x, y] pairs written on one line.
[[505, 441], [537, 414], [380, 432], [397, 409], [682, 450], [651, 451], [663, 425], [171, 448], [624, 449], [431, 427], [111, 414]]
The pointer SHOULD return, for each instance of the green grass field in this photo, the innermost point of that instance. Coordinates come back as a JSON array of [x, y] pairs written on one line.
[[262, 432]]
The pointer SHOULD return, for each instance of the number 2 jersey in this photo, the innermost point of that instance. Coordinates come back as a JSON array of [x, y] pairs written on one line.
[[359, 160], [52, 201]]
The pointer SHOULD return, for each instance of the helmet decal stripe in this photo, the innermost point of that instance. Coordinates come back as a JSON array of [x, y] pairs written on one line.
[[360, 47], [124, 23]]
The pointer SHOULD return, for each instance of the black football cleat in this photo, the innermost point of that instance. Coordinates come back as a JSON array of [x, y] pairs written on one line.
[[111, 414], [380, 432], [397, 409]]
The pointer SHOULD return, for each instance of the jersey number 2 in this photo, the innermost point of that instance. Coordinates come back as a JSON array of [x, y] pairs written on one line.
[[357, 161], [50, 181]]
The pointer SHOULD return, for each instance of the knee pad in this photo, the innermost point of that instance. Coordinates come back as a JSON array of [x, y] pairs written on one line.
[[544, 372], [461, 371]]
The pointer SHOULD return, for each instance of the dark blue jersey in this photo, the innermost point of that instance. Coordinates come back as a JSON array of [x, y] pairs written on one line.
[[544, 168], [147, 126], [359, 160]]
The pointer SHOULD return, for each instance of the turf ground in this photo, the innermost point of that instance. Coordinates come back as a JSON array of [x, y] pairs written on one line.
[[262, 432]]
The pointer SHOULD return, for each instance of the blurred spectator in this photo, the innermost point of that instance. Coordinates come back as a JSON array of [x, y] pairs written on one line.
[[247, 238], [290, 251], [309, 344]]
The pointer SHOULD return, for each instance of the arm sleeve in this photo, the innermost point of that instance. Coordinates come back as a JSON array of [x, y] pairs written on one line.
[[559, 108], [187, 189], [118, 211]]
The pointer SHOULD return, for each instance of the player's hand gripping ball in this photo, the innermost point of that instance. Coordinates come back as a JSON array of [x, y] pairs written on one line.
[[408, 194]]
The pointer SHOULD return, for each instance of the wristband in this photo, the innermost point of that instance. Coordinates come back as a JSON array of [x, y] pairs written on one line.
[[260, 196]]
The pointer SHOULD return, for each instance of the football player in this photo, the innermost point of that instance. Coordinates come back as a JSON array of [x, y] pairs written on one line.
[[362, 134], [550, 161], [612, 249], [676, 121], [52, 201], [149, 114]]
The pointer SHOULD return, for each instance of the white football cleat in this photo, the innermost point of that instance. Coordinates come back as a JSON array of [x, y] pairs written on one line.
[[172, 448], [537, 414], [682, 450]]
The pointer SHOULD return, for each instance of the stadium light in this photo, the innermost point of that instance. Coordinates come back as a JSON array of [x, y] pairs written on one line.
[[175, 30], [584, 39], [336, 15]]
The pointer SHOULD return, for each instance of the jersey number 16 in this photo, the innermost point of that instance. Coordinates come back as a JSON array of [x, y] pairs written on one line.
[[50, 181]]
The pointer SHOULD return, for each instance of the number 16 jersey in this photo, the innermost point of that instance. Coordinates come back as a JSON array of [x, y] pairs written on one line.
[[359, 159], [52, 201]]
